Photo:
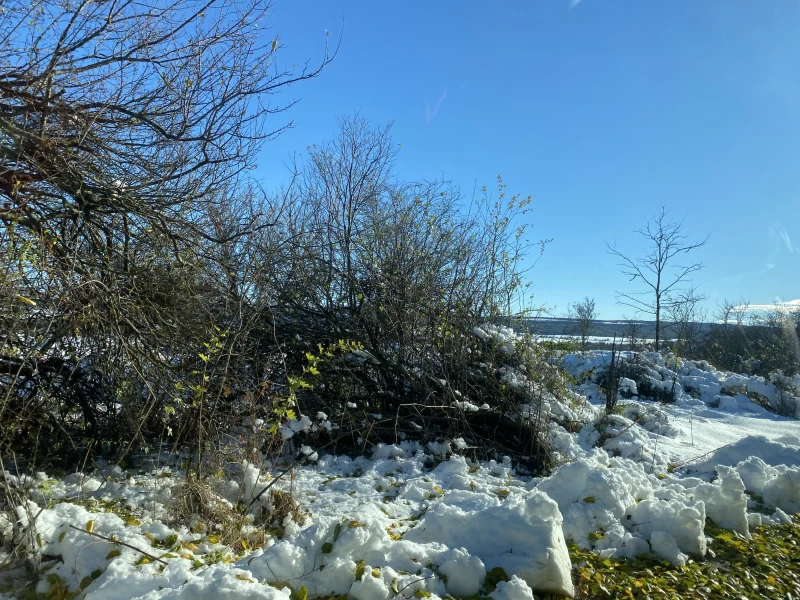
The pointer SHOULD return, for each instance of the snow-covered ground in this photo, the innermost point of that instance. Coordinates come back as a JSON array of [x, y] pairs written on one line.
[[413, 521]]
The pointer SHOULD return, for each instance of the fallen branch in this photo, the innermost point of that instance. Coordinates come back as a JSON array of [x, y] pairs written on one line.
[[691, 460], [116, 541]]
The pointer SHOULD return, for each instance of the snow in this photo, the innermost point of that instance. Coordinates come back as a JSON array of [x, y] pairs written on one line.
[[514, 589], [666, 548], [465, 573], [391, 526], [766, 450], [522, 536]]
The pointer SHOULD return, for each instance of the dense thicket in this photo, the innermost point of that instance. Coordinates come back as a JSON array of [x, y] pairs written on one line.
[[127, 130], [152, 293]]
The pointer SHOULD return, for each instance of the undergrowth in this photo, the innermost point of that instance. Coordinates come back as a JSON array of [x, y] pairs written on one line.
[[766, 566]]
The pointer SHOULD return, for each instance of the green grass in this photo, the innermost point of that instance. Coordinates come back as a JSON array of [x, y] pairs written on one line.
[[766, 566]]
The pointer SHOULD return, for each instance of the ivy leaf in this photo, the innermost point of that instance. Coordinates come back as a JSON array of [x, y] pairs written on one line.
[[494, 577], [336, 532]]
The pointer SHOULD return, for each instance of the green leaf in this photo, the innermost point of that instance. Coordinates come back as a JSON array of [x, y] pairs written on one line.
[[301, 594], [589, 499], [336, 532], [422, 594], [61, 536], [393, 587], [327, 548], [494, 577], [114, 553], [359, 570]]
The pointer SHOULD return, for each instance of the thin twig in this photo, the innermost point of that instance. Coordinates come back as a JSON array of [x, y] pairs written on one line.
[[121, 543], [691, 460]]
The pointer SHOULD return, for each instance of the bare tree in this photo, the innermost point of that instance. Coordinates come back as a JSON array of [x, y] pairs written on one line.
[[127, 131], [583, 314], [686, 316], [656, 270]]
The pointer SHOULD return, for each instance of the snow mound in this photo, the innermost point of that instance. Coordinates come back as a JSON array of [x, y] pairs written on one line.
[[515, 589], [523, 536], [770, 452]]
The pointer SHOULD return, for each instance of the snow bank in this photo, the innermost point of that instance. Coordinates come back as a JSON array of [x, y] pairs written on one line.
[[390, 527], [523, 536], [770, 452]]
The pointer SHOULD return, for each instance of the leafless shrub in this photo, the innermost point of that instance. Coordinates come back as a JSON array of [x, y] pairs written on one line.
[[583, 314], [126, 134]]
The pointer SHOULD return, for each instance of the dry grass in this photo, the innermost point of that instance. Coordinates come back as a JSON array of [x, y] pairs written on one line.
[[199, 507], [196, 505], [280, 505]]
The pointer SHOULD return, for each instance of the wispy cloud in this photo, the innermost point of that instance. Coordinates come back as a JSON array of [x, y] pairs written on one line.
[[574, 3], [779, 232], [430, 114], [780, 305], [741, 276]]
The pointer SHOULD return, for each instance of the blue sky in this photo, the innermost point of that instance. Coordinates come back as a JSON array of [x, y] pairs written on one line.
[[601, 110]]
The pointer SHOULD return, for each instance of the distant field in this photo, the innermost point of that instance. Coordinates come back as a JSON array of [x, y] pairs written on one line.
[[602, 331]]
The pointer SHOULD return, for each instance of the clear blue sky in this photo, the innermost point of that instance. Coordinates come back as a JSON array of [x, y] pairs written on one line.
[[601, 110]]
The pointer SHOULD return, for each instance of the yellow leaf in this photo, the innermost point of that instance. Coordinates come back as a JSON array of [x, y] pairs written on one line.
[[243, 578], [90, 526], [214, 539], [61, 536], [25, 300], [189, 546]]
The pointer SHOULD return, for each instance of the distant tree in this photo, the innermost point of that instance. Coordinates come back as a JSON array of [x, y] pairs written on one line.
[[777, 346], [686, 315], [583, 314], [656, 269], [632, 332], [726, 344]]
